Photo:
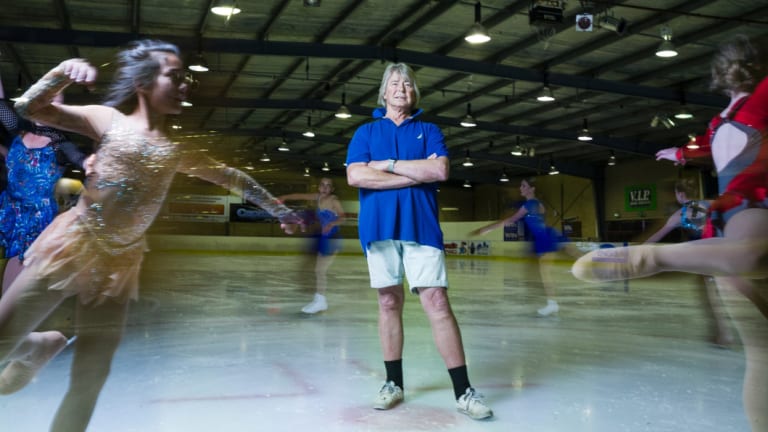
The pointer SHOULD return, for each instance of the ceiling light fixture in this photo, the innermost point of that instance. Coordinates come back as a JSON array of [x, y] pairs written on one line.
[[312, 3], [467, 160], [283, 147], [477, 33], [545, 95], [226, 8], [309, 133], [683, 113], [468, 121], [666, 49], [306, 171], [325, 167], [552, 169], [343, 111], [197, 63], [517, 150], [174, 122], [584, 134], [503, 178], [264, 157], [692, 143], [612, 159], [467, 184]]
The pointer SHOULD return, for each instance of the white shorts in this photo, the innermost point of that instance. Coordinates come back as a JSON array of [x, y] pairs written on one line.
[[423, 266]]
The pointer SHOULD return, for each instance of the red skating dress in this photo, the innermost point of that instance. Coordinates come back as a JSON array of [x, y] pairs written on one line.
[[737, 144]]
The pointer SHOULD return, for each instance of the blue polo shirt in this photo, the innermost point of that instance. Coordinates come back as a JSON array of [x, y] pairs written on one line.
[[409, 213]]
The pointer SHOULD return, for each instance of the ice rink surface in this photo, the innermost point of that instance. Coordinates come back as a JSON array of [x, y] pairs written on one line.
[[217, 342]]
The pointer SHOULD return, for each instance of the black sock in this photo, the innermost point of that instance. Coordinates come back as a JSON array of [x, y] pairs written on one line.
[[460, 380], [395, 371]]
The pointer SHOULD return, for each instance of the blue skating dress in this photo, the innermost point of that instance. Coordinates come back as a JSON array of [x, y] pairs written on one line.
[[327, 243], [544, 238]]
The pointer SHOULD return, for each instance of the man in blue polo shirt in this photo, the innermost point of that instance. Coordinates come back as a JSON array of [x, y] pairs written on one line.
[[396, 161]]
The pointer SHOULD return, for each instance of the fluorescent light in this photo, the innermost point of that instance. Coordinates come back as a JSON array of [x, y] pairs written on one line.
[[545, 95], [226, 8]]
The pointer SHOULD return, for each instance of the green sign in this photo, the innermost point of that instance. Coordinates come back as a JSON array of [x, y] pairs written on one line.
[[640, 197]]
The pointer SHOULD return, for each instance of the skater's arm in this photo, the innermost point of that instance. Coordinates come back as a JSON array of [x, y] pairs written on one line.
[[672, 223], [298, 197], [240, 183], [37, 104], [516, 216]]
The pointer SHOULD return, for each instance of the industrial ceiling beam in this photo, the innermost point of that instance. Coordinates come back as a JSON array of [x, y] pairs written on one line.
[[360, 52]]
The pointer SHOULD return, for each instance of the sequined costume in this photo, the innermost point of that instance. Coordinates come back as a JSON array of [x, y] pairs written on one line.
[[693, 217], [95, 249], [28, 204], [743, 180]]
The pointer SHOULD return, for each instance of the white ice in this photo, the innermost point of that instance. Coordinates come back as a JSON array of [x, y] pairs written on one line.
[[218, 343]]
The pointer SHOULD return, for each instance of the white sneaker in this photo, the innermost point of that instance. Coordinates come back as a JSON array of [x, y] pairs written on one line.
[[389, 396], [549, 309], [319, 304], [472, 404]]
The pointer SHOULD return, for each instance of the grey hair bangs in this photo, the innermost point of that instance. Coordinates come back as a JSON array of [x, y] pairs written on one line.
[[407, 73]]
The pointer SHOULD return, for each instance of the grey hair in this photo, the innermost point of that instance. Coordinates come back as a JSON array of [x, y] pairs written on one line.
[[405, 72], [137, 66]]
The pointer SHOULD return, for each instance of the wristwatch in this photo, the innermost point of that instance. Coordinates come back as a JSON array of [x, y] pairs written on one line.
[[391, 166]]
